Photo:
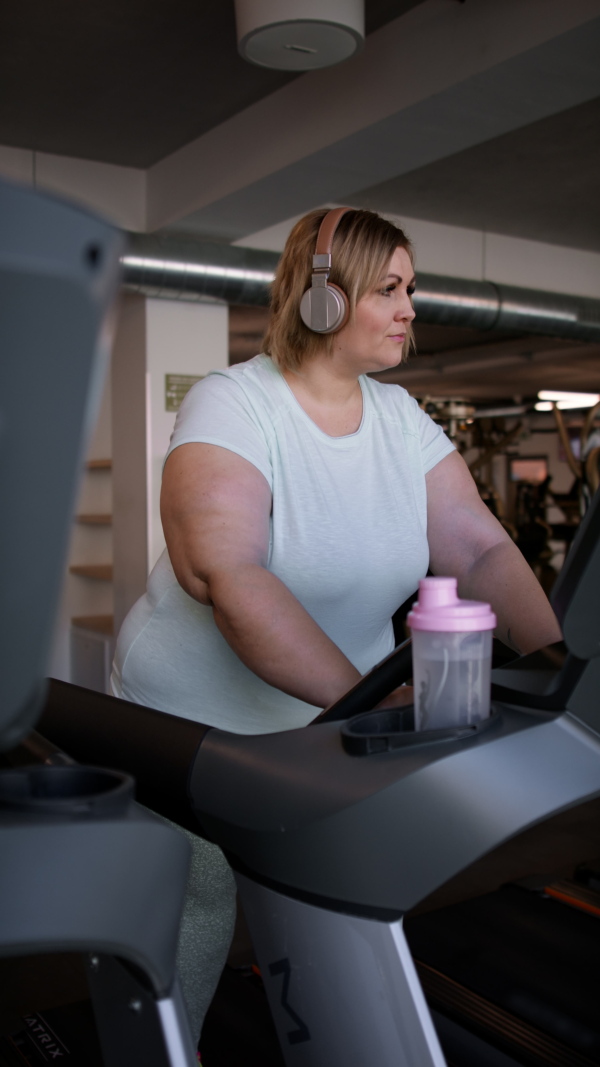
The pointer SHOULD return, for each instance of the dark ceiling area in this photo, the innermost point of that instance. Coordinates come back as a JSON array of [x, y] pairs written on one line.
[[129, 82], [540, 182]]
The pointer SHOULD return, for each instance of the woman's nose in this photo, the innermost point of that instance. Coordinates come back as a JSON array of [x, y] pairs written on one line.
[[405, 310]]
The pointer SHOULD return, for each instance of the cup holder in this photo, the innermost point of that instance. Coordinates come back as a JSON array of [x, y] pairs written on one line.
[[392, 728], [71, 792]]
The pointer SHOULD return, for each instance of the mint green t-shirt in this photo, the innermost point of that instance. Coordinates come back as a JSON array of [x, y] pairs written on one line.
[[348, 537]]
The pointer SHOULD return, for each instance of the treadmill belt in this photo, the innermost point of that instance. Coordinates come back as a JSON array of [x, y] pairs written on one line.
[[519, 957]]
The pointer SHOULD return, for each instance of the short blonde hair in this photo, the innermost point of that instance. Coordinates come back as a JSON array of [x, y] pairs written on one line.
[[363, 245]]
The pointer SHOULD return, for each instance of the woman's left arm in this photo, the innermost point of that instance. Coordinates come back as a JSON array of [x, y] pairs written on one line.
[[467, 542]]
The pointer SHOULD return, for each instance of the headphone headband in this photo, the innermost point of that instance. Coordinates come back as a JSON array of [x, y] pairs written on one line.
[[327, 230]]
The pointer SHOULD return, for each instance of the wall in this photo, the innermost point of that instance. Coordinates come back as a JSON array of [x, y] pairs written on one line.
[[117, 193]]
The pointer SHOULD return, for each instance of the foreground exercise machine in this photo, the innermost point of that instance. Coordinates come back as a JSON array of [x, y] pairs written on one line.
[[336, 831], [82, 864]]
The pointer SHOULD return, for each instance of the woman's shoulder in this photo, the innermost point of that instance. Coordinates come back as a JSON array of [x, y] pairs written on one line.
[[253, 377], [245, 392], [232, 384], [259, 368], [391, 401], [228, 408], [397, 409]]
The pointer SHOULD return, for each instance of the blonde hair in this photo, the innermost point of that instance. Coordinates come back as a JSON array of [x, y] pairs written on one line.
[[363, 245]]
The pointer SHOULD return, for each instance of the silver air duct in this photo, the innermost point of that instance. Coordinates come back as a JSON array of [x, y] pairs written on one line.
[[175, 269], [182, 269], [489, 306]]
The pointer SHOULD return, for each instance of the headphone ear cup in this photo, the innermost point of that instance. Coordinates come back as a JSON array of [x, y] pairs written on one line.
[[324, 309], [344, 307]]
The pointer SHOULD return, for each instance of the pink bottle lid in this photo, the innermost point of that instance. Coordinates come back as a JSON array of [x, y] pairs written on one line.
[[440, 609]]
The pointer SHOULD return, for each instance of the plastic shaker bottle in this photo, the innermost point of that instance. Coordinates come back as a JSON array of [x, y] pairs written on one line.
[[452, 656]]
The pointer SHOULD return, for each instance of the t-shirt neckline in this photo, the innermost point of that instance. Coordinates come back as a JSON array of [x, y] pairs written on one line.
[[344, 439]]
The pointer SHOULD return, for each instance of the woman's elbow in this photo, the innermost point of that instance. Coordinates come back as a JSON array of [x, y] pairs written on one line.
[[191, 581]]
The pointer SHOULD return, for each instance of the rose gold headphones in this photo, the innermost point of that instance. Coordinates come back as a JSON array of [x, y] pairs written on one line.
[[324, 308]]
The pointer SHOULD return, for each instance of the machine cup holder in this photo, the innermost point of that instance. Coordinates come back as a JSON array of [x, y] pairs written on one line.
[[393, 728], [70, 792]]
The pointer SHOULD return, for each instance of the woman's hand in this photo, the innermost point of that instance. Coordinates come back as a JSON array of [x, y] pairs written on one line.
[[467, 542], [399, 698], [215, 508]]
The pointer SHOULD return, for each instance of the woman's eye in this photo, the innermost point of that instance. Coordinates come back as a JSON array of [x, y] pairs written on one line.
[[389, 289], [411, 290]]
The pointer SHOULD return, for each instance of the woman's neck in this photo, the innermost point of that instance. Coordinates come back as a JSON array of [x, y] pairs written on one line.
[[332, 400]]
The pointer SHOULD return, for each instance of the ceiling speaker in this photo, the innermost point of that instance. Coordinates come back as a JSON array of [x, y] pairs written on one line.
[[299, 35]]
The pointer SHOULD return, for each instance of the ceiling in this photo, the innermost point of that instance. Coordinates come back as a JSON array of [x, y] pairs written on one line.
[[536, 182], [475, 114], [129, 82], [515, 147]]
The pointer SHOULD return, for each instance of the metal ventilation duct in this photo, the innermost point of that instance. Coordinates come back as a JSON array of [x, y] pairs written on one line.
[[489, 306], [197, 270], [201, 270]]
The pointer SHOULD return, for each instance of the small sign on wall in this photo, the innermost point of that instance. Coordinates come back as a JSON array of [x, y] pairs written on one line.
[[176, 386]]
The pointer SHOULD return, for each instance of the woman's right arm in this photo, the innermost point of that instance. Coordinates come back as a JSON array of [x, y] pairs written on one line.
[[215, 509]]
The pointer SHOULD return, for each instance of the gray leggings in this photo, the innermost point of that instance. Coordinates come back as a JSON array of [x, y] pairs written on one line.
[[206, 926]]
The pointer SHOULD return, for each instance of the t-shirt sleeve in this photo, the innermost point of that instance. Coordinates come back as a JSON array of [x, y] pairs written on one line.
[[435, 445], [216, 411]]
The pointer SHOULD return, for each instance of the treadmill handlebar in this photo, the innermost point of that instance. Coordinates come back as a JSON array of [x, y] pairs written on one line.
[[374, 686], [158, 749]]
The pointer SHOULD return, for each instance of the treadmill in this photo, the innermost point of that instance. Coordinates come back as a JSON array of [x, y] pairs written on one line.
[[82, 863], [360, 846]]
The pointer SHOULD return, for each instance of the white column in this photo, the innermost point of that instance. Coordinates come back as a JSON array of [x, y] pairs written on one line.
[[183, 339], [129, 418], [154, 338]]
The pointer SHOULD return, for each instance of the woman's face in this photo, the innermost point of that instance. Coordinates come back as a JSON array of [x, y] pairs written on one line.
[[374, 340]]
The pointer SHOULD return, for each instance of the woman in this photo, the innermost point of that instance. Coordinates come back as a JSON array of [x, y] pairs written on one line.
[[302, 501]]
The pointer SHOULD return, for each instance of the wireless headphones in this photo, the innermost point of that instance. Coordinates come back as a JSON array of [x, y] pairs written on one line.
[[324, 308]]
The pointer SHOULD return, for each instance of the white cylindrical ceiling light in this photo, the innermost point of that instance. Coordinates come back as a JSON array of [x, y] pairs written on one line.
[[299, 35]]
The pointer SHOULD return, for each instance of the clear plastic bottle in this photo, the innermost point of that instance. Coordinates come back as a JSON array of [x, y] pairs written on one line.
[[452, 655]]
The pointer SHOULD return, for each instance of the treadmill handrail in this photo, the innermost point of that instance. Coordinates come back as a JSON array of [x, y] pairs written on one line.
[[104, 730], [374, 686]]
